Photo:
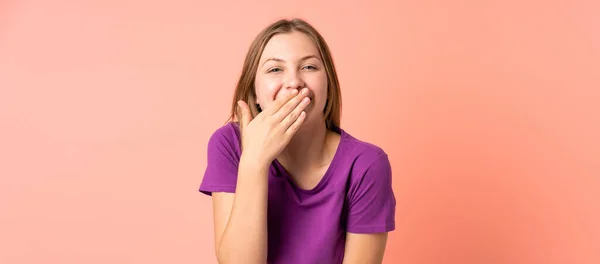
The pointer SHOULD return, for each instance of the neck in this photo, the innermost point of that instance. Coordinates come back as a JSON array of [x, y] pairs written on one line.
[[307, 149]]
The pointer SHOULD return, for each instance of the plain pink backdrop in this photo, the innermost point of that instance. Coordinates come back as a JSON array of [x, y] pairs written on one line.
[[488, 110]]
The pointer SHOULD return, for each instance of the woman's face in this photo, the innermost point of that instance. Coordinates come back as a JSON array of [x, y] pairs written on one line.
[[291, 61]]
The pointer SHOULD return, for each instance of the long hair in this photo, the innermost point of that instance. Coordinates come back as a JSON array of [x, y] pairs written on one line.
[[245, 89]]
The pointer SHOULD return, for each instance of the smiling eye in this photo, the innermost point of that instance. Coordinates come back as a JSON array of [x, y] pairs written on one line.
[[274, 70]]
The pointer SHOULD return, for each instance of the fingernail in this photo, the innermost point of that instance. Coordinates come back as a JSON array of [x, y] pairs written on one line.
[[294, 91], [305, 91]]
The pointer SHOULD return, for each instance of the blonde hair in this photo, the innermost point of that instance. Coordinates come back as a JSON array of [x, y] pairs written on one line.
[[245, 87]]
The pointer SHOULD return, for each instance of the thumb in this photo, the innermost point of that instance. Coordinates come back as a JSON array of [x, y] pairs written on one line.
[[244, 111]]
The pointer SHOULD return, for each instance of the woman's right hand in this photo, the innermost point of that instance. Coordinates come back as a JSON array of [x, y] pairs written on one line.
[[265, 136]]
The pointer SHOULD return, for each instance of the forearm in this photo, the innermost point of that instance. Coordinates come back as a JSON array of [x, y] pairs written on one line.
[[245, 237]]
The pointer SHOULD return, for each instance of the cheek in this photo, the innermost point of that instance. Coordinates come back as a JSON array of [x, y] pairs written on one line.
[[319, 88], [266, 90]]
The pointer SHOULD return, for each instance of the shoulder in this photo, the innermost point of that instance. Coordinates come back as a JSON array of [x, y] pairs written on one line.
[[223, 154], [362, 154], [367, 165], [369, 191], [226, 137]]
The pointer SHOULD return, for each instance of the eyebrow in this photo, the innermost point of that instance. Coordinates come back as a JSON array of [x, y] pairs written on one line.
[[301, 59]]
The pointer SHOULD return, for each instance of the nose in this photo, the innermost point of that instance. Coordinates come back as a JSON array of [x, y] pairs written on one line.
[[293, 81]]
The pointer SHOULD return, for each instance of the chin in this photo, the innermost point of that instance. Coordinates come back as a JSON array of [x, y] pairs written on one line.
[[312, 121]]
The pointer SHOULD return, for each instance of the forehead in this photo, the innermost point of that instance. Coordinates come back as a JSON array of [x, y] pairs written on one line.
[[289, 46]]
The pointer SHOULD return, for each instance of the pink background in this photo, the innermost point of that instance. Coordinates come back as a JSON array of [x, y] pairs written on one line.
[[489, 111]]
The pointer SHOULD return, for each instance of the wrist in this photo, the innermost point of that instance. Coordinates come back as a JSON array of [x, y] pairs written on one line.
[[251, 162]]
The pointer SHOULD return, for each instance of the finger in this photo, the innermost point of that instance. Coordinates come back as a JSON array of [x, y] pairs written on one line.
[[296, 125], [280, 102], [245, 114], [291, 105], [295, 114]]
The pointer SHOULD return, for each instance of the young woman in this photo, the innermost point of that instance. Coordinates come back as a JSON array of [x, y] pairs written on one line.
[[288, 185]]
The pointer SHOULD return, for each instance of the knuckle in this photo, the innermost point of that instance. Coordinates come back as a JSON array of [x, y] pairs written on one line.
[[270, 121], [295, 102], [297, 99]]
